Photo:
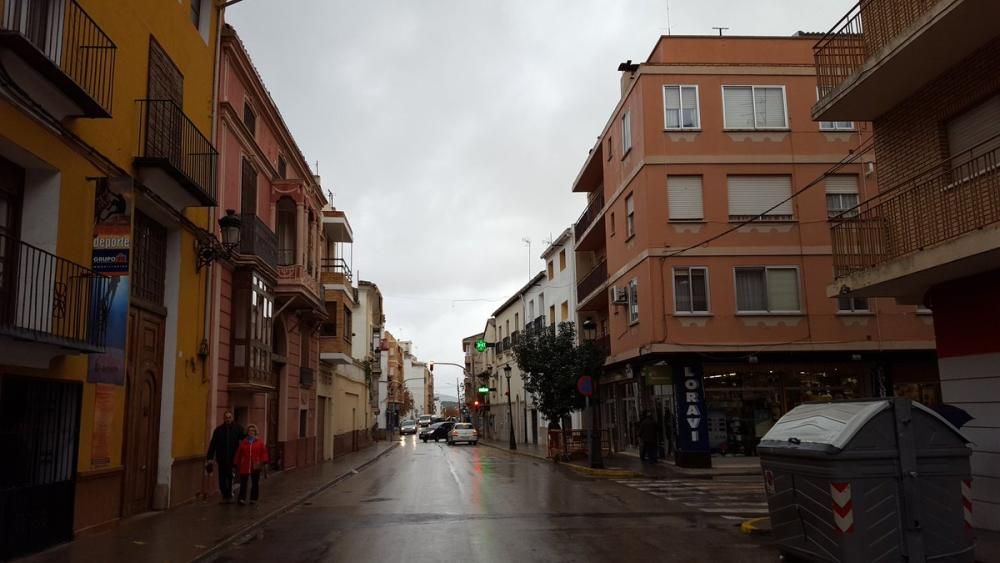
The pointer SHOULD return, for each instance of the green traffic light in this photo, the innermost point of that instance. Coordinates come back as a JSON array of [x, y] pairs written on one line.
[[484, 389], [480, 345]]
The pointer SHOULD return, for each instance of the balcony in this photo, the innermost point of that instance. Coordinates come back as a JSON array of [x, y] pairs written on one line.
[[336, 226], [174, 159], [941, 223], [46, 299], [258, 240], [593, 281], [591, 217], [58, 57], [336, 271], [882, 51]]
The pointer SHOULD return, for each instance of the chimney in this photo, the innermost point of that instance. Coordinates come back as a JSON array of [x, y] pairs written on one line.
[[628, 69]]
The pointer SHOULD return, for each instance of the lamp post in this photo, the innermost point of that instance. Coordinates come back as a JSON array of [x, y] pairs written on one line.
[[596, 461], [510, 412]]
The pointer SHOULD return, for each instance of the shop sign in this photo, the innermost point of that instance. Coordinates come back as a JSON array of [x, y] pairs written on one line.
[[692, 421], [112, 241], [657, 375]]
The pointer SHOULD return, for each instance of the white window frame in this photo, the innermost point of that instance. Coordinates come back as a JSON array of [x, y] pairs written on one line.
[[680, 96], [834, 125], [626, 124], [847, 212], [629, 216], [853, 309], [753, 100], [736, 301], [633, 301], [708, 291]]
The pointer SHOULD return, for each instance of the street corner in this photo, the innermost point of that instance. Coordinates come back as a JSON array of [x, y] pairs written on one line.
[[756, 526]]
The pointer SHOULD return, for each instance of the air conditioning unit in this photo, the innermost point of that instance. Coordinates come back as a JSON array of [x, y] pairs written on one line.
[[869, 168], [618, 295]]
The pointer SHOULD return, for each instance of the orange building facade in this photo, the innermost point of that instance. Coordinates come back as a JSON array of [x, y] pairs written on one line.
[[704, 276]]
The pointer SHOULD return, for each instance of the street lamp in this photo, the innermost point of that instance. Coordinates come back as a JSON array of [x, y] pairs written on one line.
[[510, 412], [209, 248]]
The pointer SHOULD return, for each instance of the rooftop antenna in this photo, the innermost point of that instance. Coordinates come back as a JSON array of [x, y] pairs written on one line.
[[668, 17], [317, 162], [527, 241], [720, 29]]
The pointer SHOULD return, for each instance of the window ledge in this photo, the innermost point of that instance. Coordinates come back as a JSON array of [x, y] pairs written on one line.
[[682, 129], [695, 314], [848, 131], [626, 153], [769, 314], [688, 221], [855, 314], [758, 130], [764, 221], [630, 237]]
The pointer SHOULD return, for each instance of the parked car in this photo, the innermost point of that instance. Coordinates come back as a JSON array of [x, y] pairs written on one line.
[[424, 421], [436, 431], [463, 432], [408, 427]]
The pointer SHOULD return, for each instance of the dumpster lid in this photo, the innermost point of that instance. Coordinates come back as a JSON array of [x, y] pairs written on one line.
[[833, 424]]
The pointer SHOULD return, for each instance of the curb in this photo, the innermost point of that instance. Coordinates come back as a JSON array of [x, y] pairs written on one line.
[[756, 526], [609, 473], [245, 530]]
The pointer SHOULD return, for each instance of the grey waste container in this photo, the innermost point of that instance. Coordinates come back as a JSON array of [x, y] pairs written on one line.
[[869, 482]]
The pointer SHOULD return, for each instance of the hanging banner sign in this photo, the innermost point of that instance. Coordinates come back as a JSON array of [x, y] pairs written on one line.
[[691, 417], [111, 257]]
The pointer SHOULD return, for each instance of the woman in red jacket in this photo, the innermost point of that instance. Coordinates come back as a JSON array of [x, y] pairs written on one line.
[[251, 459]]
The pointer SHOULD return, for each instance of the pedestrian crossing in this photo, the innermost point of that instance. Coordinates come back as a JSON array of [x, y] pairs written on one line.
[[731, 499]]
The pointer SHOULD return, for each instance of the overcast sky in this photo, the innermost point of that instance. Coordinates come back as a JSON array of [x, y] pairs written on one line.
[[448, 130]]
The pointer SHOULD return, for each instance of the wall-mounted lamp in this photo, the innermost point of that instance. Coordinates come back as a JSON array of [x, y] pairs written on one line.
[[210, 250]]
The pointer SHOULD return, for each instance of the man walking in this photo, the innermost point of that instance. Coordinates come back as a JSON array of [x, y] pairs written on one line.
[[222, 450]]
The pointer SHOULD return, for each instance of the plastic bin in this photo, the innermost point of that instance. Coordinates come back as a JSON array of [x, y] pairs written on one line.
[[868, 482]]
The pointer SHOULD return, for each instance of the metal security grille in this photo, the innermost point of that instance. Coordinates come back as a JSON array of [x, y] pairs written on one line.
[[39, 425], [149, 259]]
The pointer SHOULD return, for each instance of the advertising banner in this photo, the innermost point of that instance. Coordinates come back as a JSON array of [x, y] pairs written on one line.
[[111, 257]]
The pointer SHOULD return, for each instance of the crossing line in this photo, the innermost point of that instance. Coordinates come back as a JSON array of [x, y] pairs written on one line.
[[728, 500]]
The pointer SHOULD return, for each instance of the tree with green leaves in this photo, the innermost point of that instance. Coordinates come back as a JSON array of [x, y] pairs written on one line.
[[551, 362]]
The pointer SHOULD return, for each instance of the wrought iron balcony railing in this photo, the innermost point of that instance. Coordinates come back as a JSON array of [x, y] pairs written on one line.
[[167, 138], [869, 26], [45, 298], [68, 37], [593, 280], [938, 203], [257, 239], [337, 266], [590, 215]]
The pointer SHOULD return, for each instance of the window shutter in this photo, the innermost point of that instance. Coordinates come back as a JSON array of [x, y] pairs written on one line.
[[738, 101], [769, 103], [842, 184], [684, 197], [752, 195], [782, 289], [973, 129]]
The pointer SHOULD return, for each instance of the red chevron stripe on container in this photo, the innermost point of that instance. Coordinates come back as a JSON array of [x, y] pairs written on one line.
[[967, 501], [843, 507]]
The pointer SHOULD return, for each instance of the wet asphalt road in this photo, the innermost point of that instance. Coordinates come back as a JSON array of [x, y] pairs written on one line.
[[432, 502]]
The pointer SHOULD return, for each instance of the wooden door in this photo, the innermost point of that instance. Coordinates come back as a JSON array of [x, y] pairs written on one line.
[[142, 413], [11, 192]]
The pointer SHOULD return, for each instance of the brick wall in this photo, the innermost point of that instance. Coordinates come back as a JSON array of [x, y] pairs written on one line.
[[914, 133]]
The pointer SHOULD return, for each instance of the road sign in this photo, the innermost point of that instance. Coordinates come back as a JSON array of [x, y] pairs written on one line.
[[585, 385], [480, 345]]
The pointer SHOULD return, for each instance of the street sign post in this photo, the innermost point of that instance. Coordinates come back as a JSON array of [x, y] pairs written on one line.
[[585, 386]]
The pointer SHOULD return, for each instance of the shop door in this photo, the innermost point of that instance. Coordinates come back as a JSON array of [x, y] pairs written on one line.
[[142, 412], [39, 429]]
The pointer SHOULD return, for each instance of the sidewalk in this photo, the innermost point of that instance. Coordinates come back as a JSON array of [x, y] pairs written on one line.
[[198, 529], [664, 469]]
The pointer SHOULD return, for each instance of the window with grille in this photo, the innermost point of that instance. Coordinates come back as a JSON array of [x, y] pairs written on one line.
[[149, 259], [754, 107], [680, 107], [767, 290], [691, 290]]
